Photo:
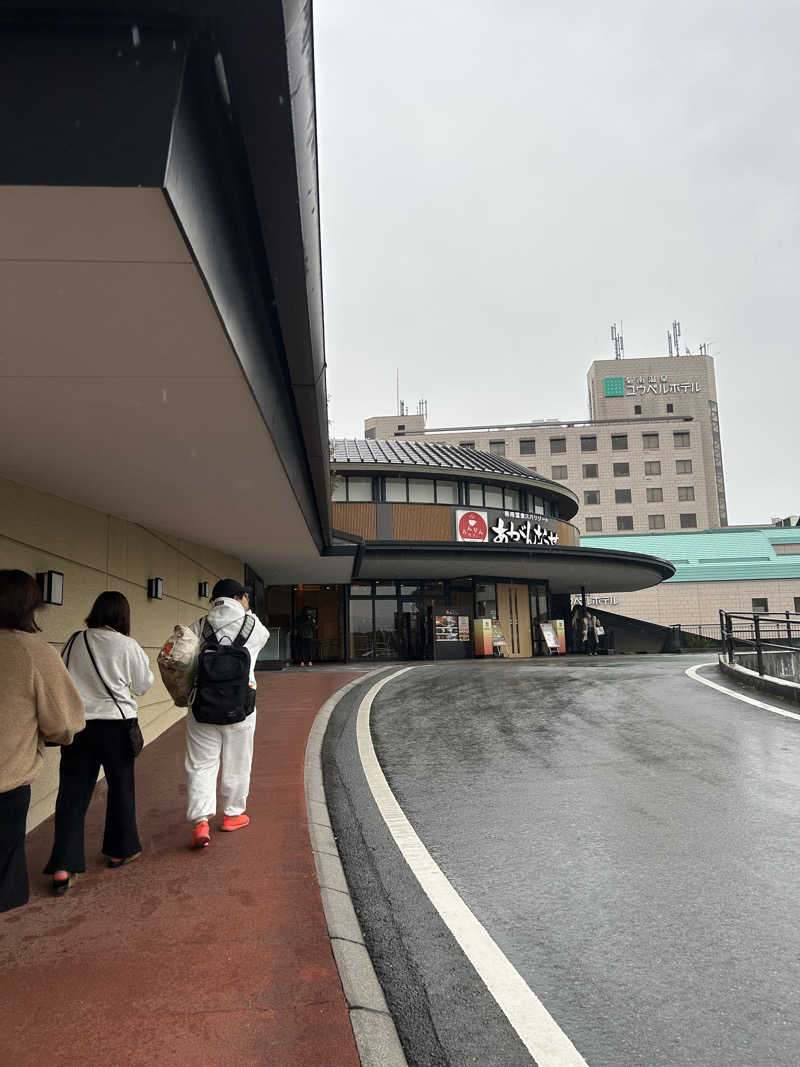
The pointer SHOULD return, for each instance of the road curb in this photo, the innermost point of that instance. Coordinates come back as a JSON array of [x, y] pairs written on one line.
[[373, 1027]]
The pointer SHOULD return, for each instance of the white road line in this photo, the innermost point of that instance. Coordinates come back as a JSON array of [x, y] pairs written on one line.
[[537, 1029], [692, 672]]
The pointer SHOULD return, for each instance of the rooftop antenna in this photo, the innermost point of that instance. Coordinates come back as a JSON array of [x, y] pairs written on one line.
[[676, 336], [619, 343], [422, 408], [669, 342]]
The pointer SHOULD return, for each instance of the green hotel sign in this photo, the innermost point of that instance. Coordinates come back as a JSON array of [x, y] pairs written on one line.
[[614, 386]]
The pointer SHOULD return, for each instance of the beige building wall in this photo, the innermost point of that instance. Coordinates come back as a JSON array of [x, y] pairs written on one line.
[[699, 603], [96, 552]]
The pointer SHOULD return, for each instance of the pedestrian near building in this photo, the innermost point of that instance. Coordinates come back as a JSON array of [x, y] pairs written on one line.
[[306, 629], [110, 670], [220, 723], [591, 634], [38, 703]]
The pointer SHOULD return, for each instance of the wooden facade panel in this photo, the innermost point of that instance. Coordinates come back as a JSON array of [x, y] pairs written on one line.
[[423, 522], [567, 533], [358, 519]]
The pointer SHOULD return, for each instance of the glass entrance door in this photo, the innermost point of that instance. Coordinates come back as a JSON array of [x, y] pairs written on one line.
[[514, 612]]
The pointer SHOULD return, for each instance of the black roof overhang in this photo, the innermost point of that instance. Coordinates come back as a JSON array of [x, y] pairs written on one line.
[[241, 180], [567, 569]]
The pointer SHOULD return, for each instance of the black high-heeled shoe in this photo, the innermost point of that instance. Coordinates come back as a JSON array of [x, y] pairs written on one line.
[[61, 885]]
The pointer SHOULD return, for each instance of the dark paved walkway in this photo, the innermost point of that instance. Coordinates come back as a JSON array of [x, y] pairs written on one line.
[[214, 957]]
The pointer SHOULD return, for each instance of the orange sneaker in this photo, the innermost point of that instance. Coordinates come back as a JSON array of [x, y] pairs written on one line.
[[234, 822], [200, 836]]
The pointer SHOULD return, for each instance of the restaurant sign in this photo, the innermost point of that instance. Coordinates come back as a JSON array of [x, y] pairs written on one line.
[[475, 526], [642, 384]]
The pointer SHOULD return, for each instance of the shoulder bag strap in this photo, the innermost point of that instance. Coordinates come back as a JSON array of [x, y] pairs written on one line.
[[247, 627], [99, 675], [67, 650]]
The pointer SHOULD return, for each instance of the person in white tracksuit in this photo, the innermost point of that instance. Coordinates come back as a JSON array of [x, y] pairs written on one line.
[[207, 744]]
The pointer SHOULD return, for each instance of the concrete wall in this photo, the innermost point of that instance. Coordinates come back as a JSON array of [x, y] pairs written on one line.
[[96, 552], [699, 603]]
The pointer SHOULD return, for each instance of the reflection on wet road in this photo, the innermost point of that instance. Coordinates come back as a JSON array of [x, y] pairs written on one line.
[[628, 838]]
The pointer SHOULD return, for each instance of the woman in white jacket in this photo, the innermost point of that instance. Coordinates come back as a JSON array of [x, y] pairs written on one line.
[[109, 669]]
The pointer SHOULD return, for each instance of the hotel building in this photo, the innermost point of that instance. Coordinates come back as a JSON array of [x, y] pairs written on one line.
[[648, 458]]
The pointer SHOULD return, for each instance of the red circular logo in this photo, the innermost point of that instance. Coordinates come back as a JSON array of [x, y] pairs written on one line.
[[472, 527]]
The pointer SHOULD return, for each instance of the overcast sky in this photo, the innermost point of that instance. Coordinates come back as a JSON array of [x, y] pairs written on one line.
[[500, 181]]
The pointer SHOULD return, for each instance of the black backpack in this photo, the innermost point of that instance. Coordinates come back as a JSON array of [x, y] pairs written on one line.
[[222, 693]]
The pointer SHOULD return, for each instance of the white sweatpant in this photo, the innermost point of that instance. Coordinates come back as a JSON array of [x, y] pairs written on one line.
[[205, 745]]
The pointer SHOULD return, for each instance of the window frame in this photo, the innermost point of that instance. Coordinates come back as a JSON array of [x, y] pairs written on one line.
[[650, 442], [588, 468], [525, 451], [591, 493], [655, 526], [558, 451], [686, 493], [681, 433], [594, 519], [589, 442], [559, 467], [620, 496], [688, 515], [619, 473], [624, 519], [652, 463], [616, 446], [654, 494]]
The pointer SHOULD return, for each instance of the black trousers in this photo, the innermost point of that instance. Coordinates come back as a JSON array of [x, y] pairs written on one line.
[[13, 869], [105, 743]]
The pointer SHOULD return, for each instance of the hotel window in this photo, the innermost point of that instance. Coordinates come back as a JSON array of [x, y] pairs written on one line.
[[624, 522], [622, 496], [655, 496], [466, 444], [538, 504], [493, 494], [683, 466], [590, 470], [655, 522], [591, 496], [527, 446], [420, 491], [670, 408], [589, 444], [682, 439], [558, 444], [395, 490], [652, 466], [497, 448], [797, 604], [359, 489], [619, 442], [475, 495], [511, 499], [558, 474], [688, 522], [685, 492], [649, 441], [594, 525], [637, 409], [622, 470], [760, 604], [446, 492]]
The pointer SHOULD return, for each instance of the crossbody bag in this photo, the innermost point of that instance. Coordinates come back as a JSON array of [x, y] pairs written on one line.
[[132, 725]]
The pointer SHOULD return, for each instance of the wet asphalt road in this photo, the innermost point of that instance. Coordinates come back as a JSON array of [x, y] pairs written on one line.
[[627, 836]]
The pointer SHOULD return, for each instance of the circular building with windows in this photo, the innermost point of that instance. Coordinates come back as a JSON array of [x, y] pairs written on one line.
[[456, 553]]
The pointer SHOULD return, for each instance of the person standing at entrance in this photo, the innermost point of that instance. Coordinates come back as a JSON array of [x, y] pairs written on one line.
[[306, 627], [38, 703], [110, 670], [221, 721], [591, 634]]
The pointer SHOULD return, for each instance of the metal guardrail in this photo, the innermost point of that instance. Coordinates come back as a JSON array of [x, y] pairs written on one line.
[[761, 633]]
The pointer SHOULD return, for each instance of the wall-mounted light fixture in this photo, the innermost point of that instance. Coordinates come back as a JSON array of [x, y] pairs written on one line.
[[155, 588], [52, 586], [202, 590]]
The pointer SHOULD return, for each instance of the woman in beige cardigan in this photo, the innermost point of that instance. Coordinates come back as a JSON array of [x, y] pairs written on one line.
[[38, 703]]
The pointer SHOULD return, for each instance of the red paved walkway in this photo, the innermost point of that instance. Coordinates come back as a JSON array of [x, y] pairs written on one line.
[[212, 957]]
